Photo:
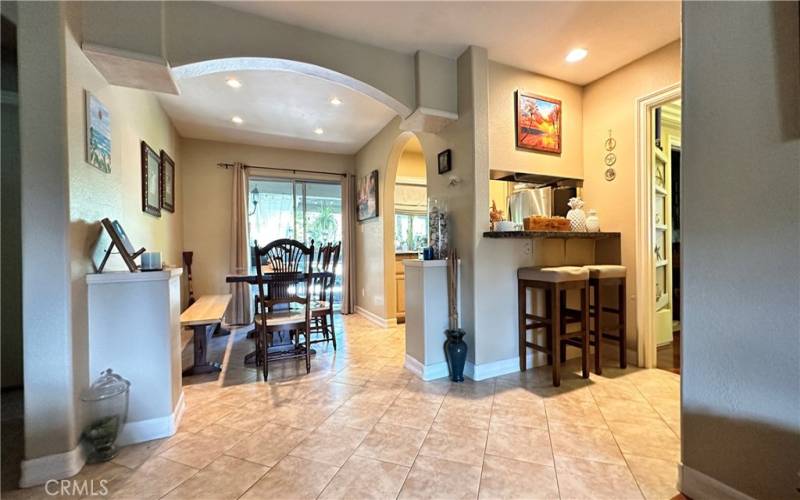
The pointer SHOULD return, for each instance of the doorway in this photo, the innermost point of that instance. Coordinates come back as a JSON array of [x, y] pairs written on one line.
[[410, 216], [658, 229], [298, 209], [667, 126]]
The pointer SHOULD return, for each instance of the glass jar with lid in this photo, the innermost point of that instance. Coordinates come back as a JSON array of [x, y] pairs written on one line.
[[105, 411]]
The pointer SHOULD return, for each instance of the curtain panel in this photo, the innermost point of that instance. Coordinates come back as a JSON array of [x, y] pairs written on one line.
[[348, 244], [240, 310]]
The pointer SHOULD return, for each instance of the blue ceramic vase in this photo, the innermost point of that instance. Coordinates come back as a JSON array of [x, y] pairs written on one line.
[[455, 351]]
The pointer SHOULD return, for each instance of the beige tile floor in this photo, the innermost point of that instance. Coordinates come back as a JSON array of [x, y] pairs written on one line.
[[361, 426]]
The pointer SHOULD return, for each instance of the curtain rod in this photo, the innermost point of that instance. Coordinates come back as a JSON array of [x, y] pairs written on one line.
[[293, 170]]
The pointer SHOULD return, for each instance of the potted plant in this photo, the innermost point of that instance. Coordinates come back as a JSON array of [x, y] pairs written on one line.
[[455, 349]]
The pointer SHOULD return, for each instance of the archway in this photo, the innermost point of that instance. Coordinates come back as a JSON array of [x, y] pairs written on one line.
[[230, 64], [406, 169]]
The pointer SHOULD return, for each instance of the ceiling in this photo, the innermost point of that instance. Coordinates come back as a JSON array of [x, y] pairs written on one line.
[[535, 36], [279, 109]]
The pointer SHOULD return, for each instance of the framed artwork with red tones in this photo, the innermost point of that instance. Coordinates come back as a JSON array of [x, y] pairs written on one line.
[[538, 123]]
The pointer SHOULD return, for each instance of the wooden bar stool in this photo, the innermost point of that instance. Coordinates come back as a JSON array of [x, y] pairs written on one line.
[[601, 276], [555, 282]]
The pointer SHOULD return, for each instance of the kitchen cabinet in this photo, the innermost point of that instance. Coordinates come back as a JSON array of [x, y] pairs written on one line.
[[400, 284]]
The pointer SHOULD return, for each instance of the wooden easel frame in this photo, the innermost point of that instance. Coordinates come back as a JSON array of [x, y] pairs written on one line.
[[123, 245]]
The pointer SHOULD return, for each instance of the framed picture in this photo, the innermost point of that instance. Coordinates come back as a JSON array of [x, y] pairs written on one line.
[[444, 162], [367, 203], [538, 123], [151, 181], [167, 182], [98, 134]]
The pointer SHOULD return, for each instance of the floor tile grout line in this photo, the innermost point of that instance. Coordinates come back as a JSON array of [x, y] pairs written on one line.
[[427, 432], [354, 451], [627, 465], [552, 451], [660, 416]]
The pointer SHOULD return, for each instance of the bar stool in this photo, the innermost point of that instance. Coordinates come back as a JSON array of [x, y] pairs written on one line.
[[601, 276], [554, 281]]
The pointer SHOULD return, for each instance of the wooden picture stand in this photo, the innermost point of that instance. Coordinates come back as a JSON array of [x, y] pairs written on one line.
[[120, 240]]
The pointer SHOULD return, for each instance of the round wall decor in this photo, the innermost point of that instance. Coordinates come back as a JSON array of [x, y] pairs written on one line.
[[611, 174]]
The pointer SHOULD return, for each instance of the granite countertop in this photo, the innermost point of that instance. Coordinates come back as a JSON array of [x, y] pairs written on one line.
[[551, 234]]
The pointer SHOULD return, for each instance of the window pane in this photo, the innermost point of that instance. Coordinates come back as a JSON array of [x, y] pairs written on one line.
[[419, 232], [272, 215]]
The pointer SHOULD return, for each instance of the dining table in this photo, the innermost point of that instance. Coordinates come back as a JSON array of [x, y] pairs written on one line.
[[281, 343]]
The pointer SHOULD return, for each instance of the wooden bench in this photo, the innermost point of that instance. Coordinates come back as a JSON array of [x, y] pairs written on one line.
[[204, 316]]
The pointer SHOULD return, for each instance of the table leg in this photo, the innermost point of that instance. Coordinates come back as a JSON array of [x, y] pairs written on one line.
[[201, 364]]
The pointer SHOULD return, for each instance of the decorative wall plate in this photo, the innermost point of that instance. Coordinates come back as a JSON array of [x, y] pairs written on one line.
[[610, 159], [611, 174], [611, 144]]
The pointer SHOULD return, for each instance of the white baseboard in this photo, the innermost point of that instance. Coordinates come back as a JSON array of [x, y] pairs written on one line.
[[426, 372], [154, 428], [375, 319], [39, 470], [695, 484], [494, 369]]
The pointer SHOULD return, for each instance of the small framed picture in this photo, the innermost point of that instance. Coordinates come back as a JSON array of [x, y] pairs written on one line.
[[98, 134], [167, 182], [151, 181], [444, 162]]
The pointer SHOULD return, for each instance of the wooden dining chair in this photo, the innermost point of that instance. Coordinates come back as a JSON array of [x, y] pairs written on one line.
[[284, 309], [322, 307]]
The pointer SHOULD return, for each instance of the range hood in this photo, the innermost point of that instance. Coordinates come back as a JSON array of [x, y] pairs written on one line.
[[536, 180]]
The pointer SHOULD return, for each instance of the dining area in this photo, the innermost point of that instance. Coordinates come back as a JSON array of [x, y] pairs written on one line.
[[291, 289]]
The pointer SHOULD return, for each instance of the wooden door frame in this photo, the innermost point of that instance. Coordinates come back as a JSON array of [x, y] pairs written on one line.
[[645, 260]]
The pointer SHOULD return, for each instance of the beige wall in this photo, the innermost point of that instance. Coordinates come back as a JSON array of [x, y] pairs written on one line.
[[497, 260], [135, 116], [375, 290], [609, 104], [503, 82], [740, 398], [78, 197], [206, 192]]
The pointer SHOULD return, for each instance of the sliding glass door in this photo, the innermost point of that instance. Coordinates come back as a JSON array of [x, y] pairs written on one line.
[[301, 210]]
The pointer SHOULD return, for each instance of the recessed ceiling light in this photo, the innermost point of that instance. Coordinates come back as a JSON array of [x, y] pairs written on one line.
[[237, 120], [233, 82], [336, 101], [319, 131], [576, 55]]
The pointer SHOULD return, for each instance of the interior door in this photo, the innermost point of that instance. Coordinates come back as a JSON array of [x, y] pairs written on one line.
[[662, 237]]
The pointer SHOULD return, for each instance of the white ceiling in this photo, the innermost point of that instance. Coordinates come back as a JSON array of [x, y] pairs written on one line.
[[279, 108], [531, 35]]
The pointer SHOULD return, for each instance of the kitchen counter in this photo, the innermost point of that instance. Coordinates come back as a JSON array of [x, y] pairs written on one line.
[[551, 234]]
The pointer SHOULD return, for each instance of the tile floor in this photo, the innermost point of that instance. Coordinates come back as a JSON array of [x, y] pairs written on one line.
[[361, 426]]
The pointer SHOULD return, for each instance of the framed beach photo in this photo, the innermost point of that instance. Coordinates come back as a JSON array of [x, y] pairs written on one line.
[[98, 134], [167, 182], [367, 191], [151, 181], [538, 123]]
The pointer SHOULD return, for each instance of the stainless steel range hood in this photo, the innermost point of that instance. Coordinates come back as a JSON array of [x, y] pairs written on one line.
[[537, 180]]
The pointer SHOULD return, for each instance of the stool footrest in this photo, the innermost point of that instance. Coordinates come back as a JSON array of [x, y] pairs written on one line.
[[541, 319], [592, 309]]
